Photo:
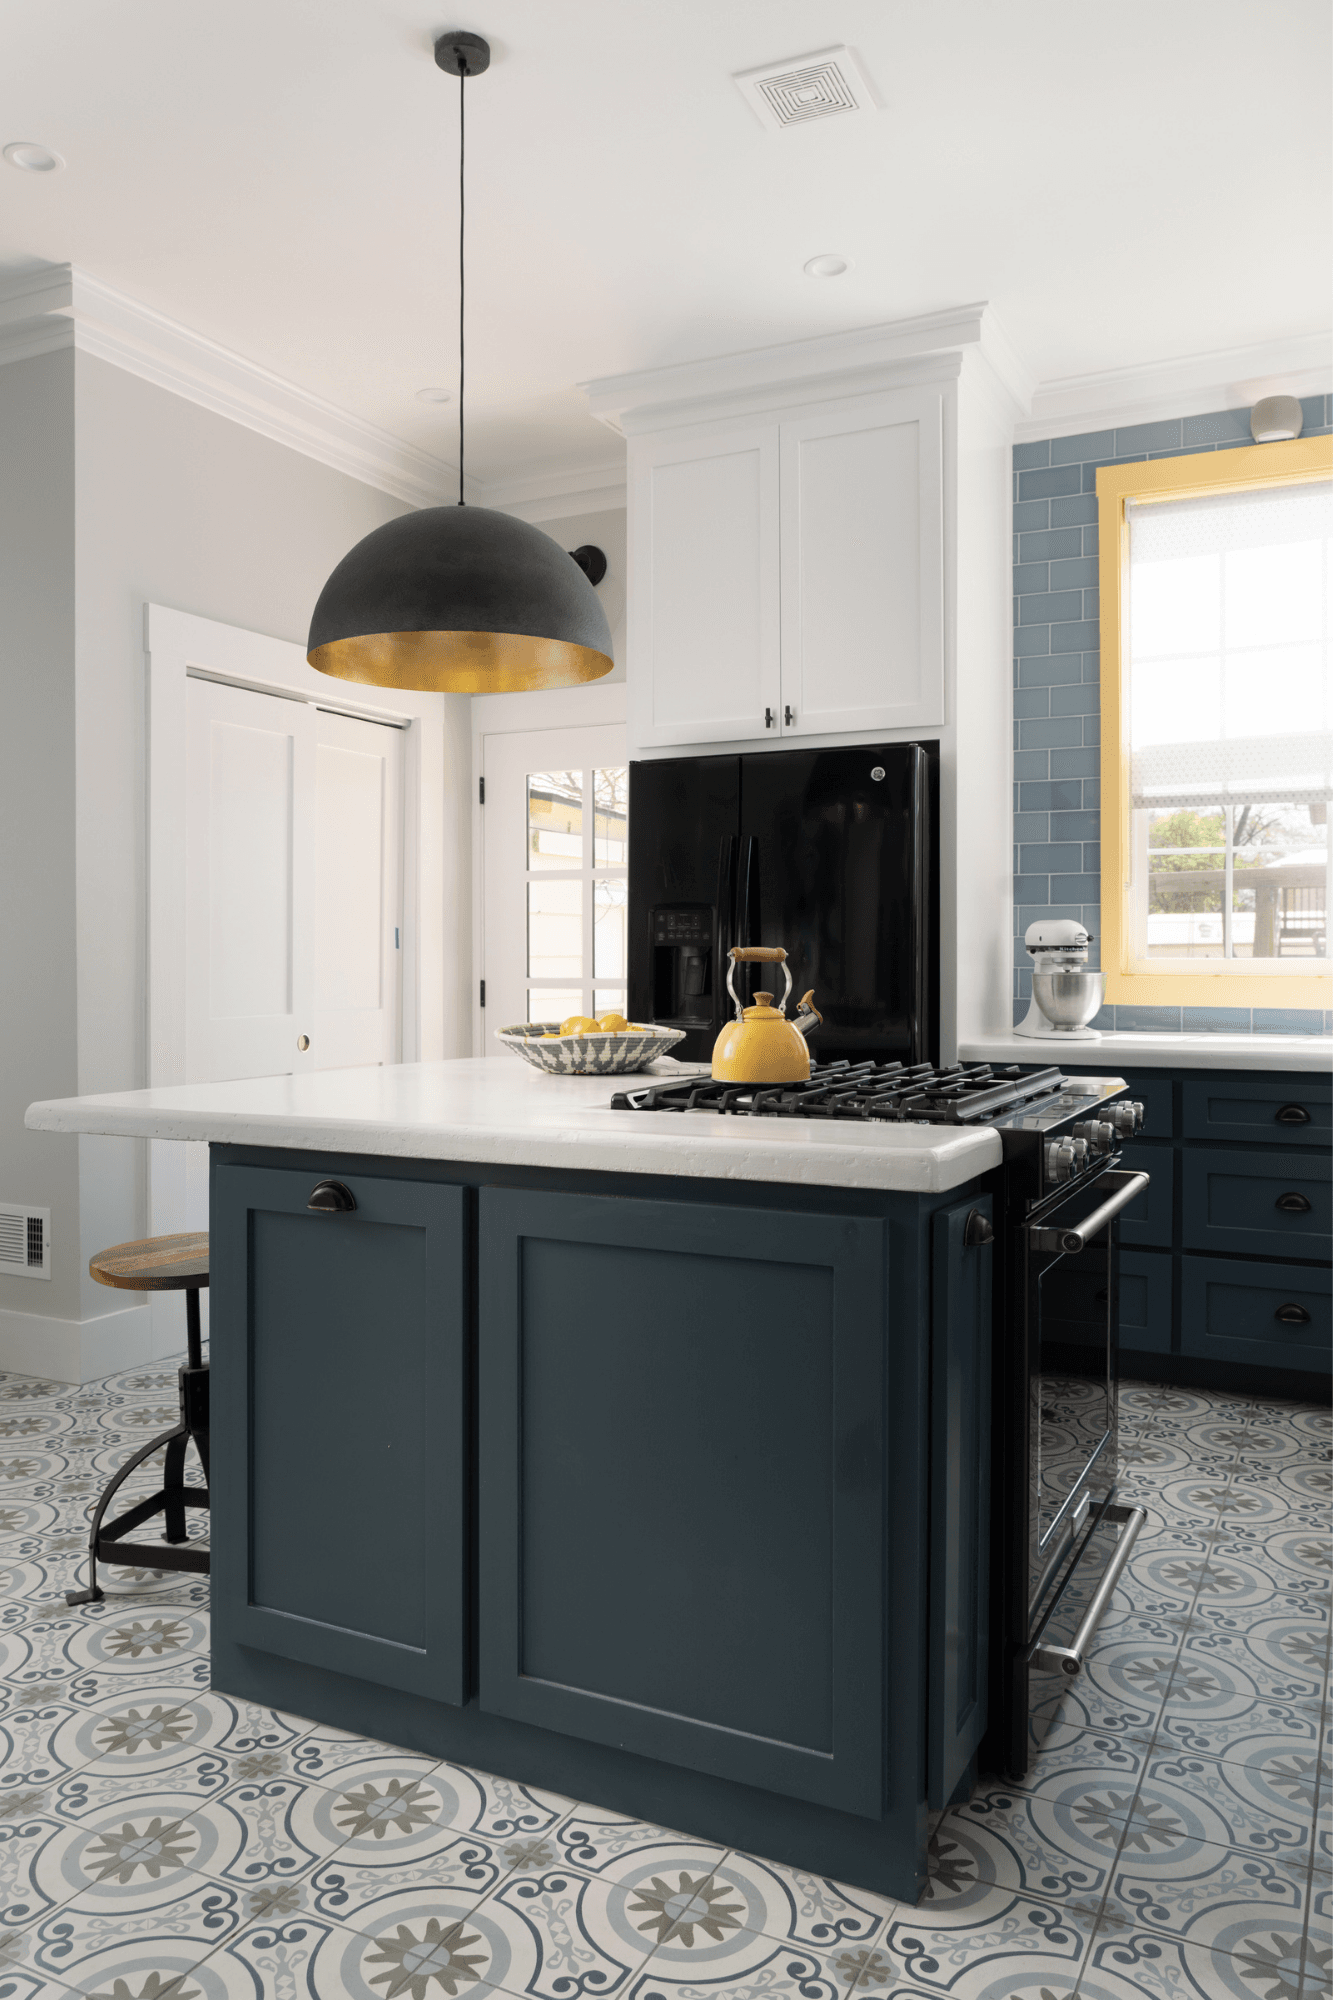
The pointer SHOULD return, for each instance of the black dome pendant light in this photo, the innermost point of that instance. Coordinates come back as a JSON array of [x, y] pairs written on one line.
[[460, 599]]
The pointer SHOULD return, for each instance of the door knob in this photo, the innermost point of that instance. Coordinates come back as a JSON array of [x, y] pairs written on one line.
[[303, 1043]]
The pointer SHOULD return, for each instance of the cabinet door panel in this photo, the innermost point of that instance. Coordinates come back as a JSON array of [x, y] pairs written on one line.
[[1280, 1111], [339, 1381], [1254, 1202], [862, 567], [1147, 1220], [960, 1396], [1267, 1314], [1145, 1305], [681, 1532], [704, 601]]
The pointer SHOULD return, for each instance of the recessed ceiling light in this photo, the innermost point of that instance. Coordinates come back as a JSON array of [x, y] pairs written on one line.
[[433, 395], [30, 158], [827, 266]]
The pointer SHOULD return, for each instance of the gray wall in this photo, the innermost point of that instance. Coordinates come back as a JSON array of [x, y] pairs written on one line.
[[38, 1042], [1057, 695]]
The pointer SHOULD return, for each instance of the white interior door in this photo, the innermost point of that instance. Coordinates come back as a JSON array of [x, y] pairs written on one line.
[[358, 844], [250, 884], [556, 833]]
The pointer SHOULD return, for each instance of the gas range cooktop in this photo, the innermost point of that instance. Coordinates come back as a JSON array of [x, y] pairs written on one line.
[[968, 1094]]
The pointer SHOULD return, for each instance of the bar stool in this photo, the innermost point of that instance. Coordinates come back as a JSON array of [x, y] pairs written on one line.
[[158, 1264]]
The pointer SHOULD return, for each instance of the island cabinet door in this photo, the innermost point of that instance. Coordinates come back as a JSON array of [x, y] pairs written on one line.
[[339, 1387], [682, 1489], [960, 1404]]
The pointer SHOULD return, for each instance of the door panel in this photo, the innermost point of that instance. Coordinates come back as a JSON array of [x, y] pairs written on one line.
[[960, 1393], [358, 903], [681, 1534], [1256, 1202], [249, 883], [704, 601], [340, 1442], [862, 567]]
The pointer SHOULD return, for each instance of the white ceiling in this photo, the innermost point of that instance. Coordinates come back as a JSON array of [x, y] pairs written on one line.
[[1126, 184]]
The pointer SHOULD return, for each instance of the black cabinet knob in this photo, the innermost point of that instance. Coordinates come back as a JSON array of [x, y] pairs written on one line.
[[331, 1198], [1291, 1114], [1292, 1204], [1292, 1315]]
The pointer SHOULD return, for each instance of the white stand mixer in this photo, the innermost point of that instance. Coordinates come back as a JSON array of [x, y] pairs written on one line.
[[1065, 993]]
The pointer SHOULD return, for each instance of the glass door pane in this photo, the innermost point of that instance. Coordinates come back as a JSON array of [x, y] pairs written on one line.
[[555, 819]]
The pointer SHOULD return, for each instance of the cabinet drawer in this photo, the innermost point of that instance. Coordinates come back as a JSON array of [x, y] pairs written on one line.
[[1148, 1219], [1252, 1312], [1145, 1305], [1280, 1111], [1257, 1203]]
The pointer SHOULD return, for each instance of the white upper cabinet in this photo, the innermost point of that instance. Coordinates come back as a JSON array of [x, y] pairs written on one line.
[[862, 567], [704, 597], [787, 576]]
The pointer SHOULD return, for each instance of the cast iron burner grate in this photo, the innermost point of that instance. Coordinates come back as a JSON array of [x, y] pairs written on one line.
[[966, 1094]]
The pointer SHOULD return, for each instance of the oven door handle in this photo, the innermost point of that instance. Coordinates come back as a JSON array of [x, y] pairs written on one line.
[[1042, 1236]]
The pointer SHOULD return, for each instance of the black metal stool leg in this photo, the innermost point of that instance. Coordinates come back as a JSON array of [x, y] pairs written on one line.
[[93, 1594], [173, 1488]]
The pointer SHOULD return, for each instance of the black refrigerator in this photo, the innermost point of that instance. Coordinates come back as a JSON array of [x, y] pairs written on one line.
[[831, 853]]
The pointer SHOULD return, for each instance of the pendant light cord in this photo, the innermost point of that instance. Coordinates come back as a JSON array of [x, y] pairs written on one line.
[[462, 98]]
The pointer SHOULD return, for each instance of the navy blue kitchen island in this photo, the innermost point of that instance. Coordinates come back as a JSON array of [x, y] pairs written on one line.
[[665, 1493]]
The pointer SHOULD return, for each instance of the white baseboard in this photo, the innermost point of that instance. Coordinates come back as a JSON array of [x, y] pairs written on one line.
[[71, 1350]]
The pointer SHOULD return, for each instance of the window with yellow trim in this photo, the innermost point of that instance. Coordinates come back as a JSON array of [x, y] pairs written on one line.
[[1217, 726]]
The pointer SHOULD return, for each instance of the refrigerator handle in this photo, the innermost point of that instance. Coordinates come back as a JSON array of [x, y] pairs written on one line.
[[724, 922]]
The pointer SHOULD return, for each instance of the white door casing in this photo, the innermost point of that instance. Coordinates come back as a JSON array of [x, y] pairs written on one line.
[[358, 824]]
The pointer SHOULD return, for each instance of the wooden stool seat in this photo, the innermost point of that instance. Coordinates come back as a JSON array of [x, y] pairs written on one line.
[[155, 1263], [158, 1264]]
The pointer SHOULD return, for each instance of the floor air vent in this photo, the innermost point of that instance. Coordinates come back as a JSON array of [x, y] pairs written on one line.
[[828, 84], [25, 1241]]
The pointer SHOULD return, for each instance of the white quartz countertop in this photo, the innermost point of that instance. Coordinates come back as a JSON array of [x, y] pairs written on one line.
[[498, 1109], [1142, 1051]]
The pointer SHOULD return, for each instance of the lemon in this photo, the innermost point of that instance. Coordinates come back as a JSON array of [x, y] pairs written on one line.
[[613, 1024], [579, 1024]]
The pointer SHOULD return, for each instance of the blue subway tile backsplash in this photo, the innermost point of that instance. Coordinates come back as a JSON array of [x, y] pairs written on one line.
[[1057, 697]]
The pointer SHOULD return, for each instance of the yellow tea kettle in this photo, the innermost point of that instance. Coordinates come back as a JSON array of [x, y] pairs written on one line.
[[761, 1045]]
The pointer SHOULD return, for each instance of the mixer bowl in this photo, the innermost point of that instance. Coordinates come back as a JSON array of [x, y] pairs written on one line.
[[1068, 999]]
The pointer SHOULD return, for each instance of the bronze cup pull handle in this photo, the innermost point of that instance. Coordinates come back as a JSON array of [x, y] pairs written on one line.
[[331, 1198], [1292, 1315], [1291, 1114], [1293, 1204]]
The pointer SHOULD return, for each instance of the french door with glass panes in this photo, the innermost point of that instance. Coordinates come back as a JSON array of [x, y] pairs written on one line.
[[555, 832]]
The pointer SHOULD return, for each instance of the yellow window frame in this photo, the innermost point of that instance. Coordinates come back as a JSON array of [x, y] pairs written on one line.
[[1289, 463]]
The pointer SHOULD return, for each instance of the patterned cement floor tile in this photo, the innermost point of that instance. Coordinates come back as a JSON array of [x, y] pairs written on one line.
[[1045, 1847], [1139, 1965], [355, 1891], [1102, 1757], [1001, 1946], [261, 1832], [1266, 1807], [321, 1754], [1208, 1896], [154, 1728], [805, 1909], [613, 1845], [1245, 1734], [755, 1968], [89, 1943]]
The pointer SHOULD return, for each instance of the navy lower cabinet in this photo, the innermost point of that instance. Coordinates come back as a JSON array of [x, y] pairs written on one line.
[[960, 1403], [339, 1431], [669, 1496], [1230, 1244], [681, 1481]]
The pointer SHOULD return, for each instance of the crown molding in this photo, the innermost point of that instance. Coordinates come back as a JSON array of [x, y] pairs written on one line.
[[550, 496], [854, 361], [1193, 386], [44, 311]]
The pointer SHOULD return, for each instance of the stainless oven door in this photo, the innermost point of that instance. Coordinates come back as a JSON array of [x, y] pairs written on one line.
[[1072, 1309]]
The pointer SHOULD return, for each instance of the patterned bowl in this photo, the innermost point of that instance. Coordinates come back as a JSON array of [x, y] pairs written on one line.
[[588, 1055]]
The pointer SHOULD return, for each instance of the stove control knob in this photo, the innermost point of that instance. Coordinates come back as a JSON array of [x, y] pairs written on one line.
[[1081, 1150], [1061, 1157], [1127, 1117], [1100, 1135]]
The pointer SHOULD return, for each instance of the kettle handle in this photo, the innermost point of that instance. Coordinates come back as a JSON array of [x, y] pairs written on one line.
[[768, 954]]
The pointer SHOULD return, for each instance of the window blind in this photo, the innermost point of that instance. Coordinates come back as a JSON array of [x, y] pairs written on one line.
[[1230, 693]]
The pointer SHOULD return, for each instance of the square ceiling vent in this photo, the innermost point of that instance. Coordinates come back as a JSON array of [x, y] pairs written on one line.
[[828, 84]]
